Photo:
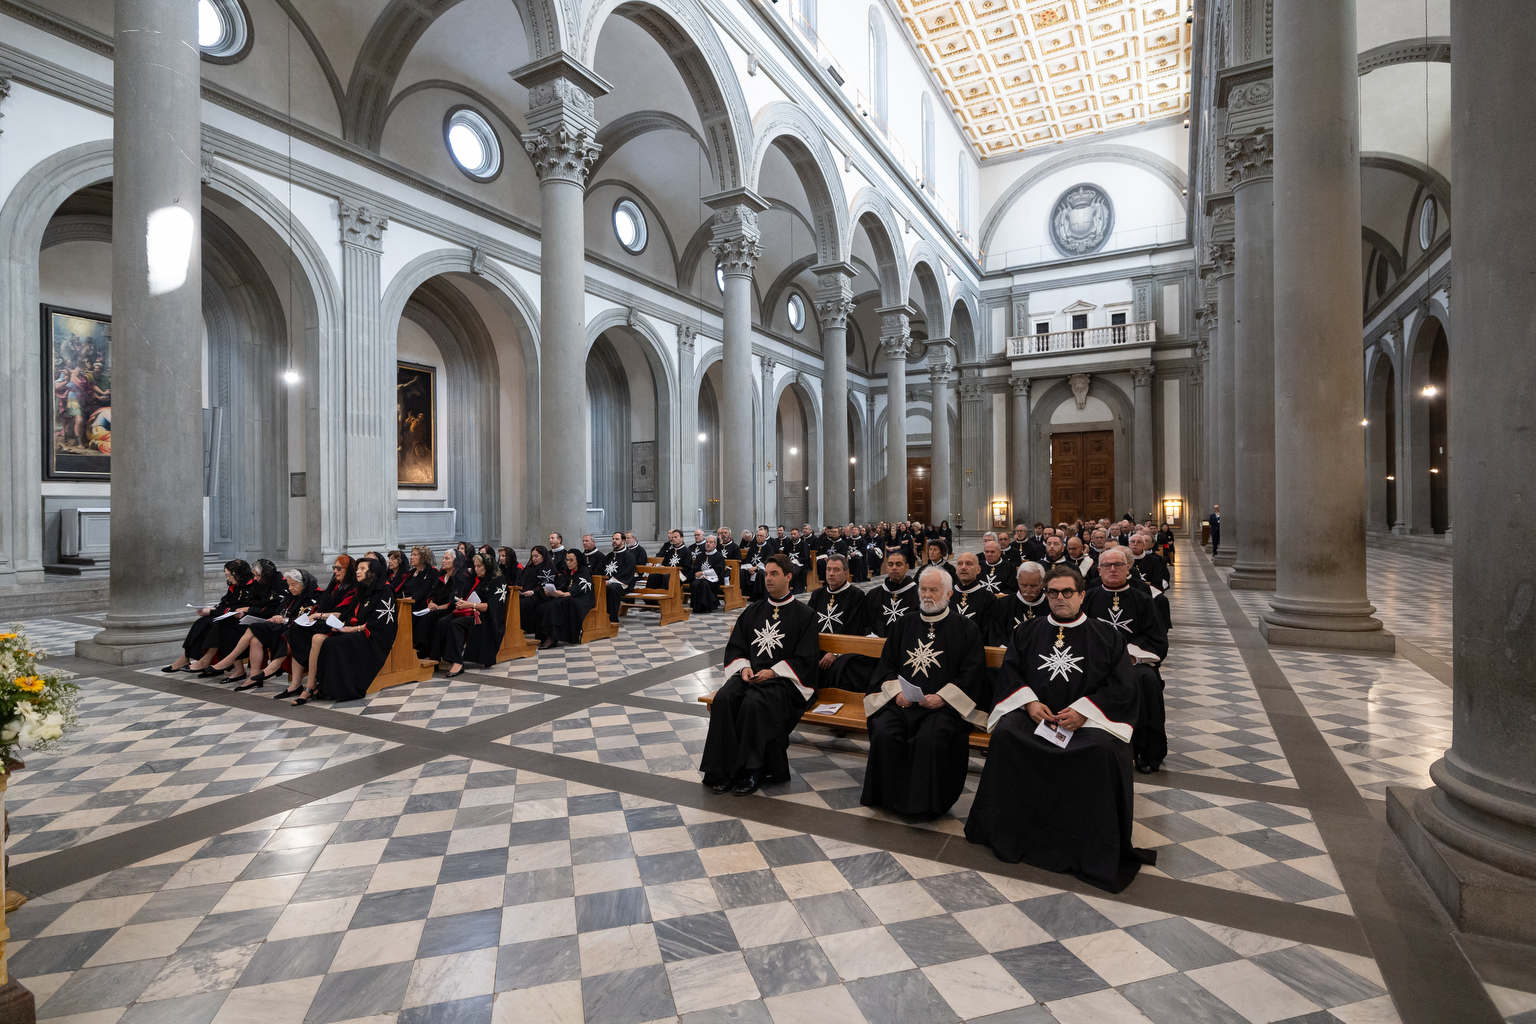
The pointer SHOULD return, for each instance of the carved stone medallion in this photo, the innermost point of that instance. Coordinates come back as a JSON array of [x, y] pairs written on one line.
[[1081, 220]]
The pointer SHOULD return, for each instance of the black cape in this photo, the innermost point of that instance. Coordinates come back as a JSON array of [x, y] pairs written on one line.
[[1000, 579], [882, 609], [976, 604], [349, 661], [562, 617], [703, 594], [1132, 612], [840, 613]]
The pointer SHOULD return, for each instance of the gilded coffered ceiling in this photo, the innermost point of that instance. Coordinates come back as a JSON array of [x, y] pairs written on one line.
[[1023, 74]]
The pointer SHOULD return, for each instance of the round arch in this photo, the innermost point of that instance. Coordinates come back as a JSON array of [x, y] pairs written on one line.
[[859, 448], [928, 274], [1121, 421], [639, 330], [787, 126], [1381, 398], [872, 212], [1423, 502], [962, 329], [809, 399]]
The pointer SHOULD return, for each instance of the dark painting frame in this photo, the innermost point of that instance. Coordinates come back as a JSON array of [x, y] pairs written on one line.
[[73, 443], [416, 426]]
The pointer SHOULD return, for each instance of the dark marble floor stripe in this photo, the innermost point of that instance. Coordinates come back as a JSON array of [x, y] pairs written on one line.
[[1430, 979]]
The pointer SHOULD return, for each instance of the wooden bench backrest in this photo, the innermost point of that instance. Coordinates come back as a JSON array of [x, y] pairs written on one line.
[[731, 591]]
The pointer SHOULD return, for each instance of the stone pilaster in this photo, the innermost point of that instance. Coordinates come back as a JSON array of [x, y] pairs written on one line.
[[1018, 454], [689, 511], [1223, 255], [736, 244], [1142, 498], [896, 341], [942, 506], [562, 124], [767, 508], [157, 325], [975, 445], [834, 305], [368, 388]]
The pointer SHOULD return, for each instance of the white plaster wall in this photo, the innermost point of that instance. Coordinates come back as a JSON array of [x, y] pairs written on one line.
[[1105, 296], [1095, 410], [1147, 212], [37, 126]]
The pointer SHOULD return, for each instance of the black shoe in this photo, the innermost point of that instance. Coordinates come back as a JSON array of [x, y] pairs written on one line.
[[1145, 768], [748, 785], [718, 783], [455, 675], [254, 684], [287, 693], [173, 668], [210, 672]]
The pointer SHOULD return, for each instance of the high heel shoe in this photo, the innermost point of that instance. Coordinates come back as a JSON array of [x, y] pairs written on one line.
[[307, 696], [287, 693], [210, 672]]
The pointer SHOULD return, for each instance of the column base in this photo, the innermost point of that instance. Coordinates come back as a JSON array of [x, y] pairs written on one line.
[[17, 1005], [127, 653], [1224, 560], [1375, 641], [1249, 577], [1480, 899]]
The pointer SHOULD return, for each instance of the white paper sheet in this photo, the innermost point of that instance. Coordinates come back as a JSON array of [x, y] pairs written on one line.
[[334, 622], [474, 597], [221, 618], [549, 589], [251, 620], [419, 614], [304, 620], [827, 709], [1141, 656], [1060, 737], [913, 693]]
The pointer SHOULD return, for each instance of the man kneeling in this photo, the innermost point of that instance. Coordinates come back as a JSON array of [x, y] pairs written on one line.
[[930, 679], [1056, 791], [770, 657]]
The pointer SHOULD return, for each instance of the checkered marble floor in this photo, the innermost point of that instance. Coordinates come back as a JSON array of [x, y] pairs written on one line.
[[466, 892], [440, 703], [1216, 725], [56, 636], [642, 643], [656, 742], [142, 756]]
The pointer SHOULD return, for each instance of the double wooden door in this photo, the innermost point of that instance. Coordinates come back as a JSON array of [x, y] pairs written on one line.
[[919, 487], [1082, 476]]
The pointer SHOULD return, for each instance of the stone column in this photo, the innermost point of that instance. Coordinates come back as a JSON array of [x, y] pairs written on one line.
[[1474, 834], [562, 122], [1223, 255], [1319, 446], [1142, 497], [833, 308], [767, 509], [157, 319], [975, 453], [896, 340], [735, 243], [871, 484], [688, 442], [1249, 170], [942, 489], [1018, 455], [369, 386]]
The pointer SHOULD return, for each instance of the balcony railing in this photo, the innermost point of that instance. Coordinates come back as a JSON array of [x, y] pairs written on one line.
[[1141, 333]]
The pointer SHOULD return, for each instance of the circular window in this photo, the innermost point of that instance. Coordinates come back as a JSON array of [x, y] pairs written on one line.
[[1428, 215], [720, 278], [223, 30], [629, 225], [796, 307], [473, 144]]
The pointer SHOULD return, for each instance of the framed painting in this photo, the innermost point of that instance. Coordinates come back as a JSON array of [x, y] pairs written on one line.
[[642, 459], [416, 415], [77, 394]]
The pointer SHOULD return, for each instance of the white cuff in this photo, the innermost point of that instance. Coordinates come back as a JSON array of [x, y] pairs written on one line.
[[1015, 700], [1142, 657], [1097, 720], [783, 671], [879, 699], [737, 666]]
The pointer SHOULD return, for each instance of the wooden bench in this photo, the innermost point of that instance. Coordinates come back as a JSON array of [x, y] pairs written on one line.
[[851, 715], [402, 665], [597, 626], [669, 602], [732, 590], [513, 643], [812, 577]]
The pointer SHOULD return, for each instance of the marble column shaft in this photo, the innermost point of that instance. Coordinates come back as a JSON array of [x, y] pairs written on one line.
[[1226, 400], [157, 320], [1249, 169], [1319, 439], [1018, 455], [833, 308], [562, 124], [942, 504], [368, 387], [735, 243], [1473, 835], [896, 340], [1142, 497]]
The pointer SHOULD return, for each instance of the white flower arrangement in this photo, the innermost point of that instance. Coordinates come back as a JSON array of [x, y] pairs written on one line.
[[37, 707]]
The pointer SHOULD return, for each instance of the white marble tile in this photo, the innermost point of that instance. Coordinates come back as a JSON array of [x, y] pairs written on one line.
[[767, 925], [538, 857], [559, 1003], [383, 944], [606, 876], [1103, 1007], [977, 987], [255, 893], [96, 914], [443, 979], [1002, 927], [732, 860], [832, 1005], [900, 901], [865, 953], [680, 899], [618, 949], [1117, 958], [202, 971], [467, 896], [144, 941], [709, 981], [1253, 992], [315, 918], [814, 879], [530, 921], [405, 874], [284, 1002]]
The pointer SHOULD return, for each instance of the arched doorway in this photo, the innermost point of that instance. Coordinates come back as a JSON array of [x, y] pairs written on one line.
[[1427, 442], [1381, 418], [625, 485]]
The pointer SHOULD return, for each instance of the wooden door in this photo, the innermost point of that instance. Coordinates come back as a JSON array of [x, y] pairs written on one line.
[[919, 486], [1082, 476]]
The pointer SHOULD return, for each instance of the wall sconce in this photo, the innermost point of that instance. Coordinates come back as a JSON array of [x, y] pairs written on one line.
[[1429, 391], [1391, 478], [1000, 515], [794, 451], [1434, 471], [1173, 509]]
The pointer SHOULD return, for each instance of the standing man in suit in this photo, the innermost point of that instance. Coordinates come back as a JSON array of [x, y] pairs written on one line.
[[1215, 521]]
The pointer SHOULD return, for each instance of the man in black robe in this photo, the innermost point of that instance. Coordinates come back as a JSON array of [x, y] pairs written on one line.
[[1087, 564], [619, 568], [708, 578], [1034, 545], [936, 553], [1153, 571], [1025, 603], [997, 573], [1055, 552], [729, 549], [556, 549], [753, 560], [919, 748], [970, 598], [697, 547], [839, 609], [770, 666], [799, 560], [674, 553], [1130, 611], [853, 541], [884, 606], [1056, 791]]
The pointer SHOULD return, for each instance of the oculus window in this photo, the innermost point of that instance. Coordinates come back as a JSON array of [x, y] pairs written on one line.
[[472, 144], [629, 225], [223, 30], [796, 309], [1427, 218]]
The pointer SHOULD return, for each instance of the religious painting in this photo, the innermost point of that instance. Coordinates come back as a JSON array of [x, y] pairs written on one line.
[[642, 462], [416, 425], [77, 394]]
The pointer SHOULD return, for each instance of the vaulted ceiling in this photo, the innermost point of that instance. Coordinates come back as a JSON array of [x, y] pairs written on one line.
[[1024, 74]]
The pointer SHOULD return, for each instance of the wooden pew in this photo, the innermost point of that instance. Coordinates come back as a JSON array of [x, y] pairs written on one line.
[[732, 590], [669, 601], [513, 643], [812, 577], [596, 626], [402, 665], [851, 715]]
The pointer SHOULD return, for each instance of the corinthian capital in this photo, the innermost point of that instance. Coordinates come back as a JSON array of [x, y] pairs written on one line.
[[560, 154], [738, 256], [735, 234], [360, 226], [939, 373], [834, 314], [1250, 157], [895, 329], [1141, 376], [1020, 386], [1222, 254]]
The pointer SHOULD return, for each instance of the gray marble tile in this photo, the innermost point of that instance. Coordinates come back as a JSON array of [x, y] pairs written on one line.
[[1023, 1015], [281, 862], [935, 940], [1319, 978], [174, 904], [459, 933], [99, 988], [1065, 916], [1276, 844], [432, 844], [1048, 970], [748, 889], [363, 829], [531, 964], [907, 997], [603, 910], [659, 869], [1181, 944], [362, 993], [601, 848], [1177, 800], [31, 919], [781, 853], [475, 1010], [644, 819], [684, 938], [872, 869], [1178, 827], [57, 953], [627, 997], [287, 959], [1286, 882], [963, 890], [835, 912], [334, 884], [1182, 862], [392, 907], [718, 833], [538, 886], [198, 1009], [544, 830], [461, 867], [753, 1012], [790, 967], [1177, 999]]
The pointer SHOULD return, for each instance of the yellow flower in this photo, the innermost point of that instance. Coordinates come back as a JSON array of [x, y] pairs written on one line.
[[31, 684], [7, 636]]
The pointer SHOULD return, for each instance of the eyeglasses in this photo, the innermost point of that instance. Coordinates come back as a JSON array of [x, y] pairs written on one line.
[[1058, 592]]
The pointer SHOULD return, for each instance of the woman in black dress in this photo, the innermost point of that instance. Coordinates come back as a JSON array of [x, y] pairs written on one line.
[[269, 649], [539, 571], [1164, 544], [511, 568], [264, 598], [201, 647], [340, 600], [561, 614], [398, 570], [454, 581], [420, 577], [473, 631], [346, 661]]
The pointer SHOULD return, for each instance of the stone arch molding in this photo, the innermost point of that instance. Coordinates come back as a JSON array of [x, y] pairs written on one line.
[[1164, 170], [808, 394], [687, 34], [928, 267], [812, 159], [890, 254], [664, 377]]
